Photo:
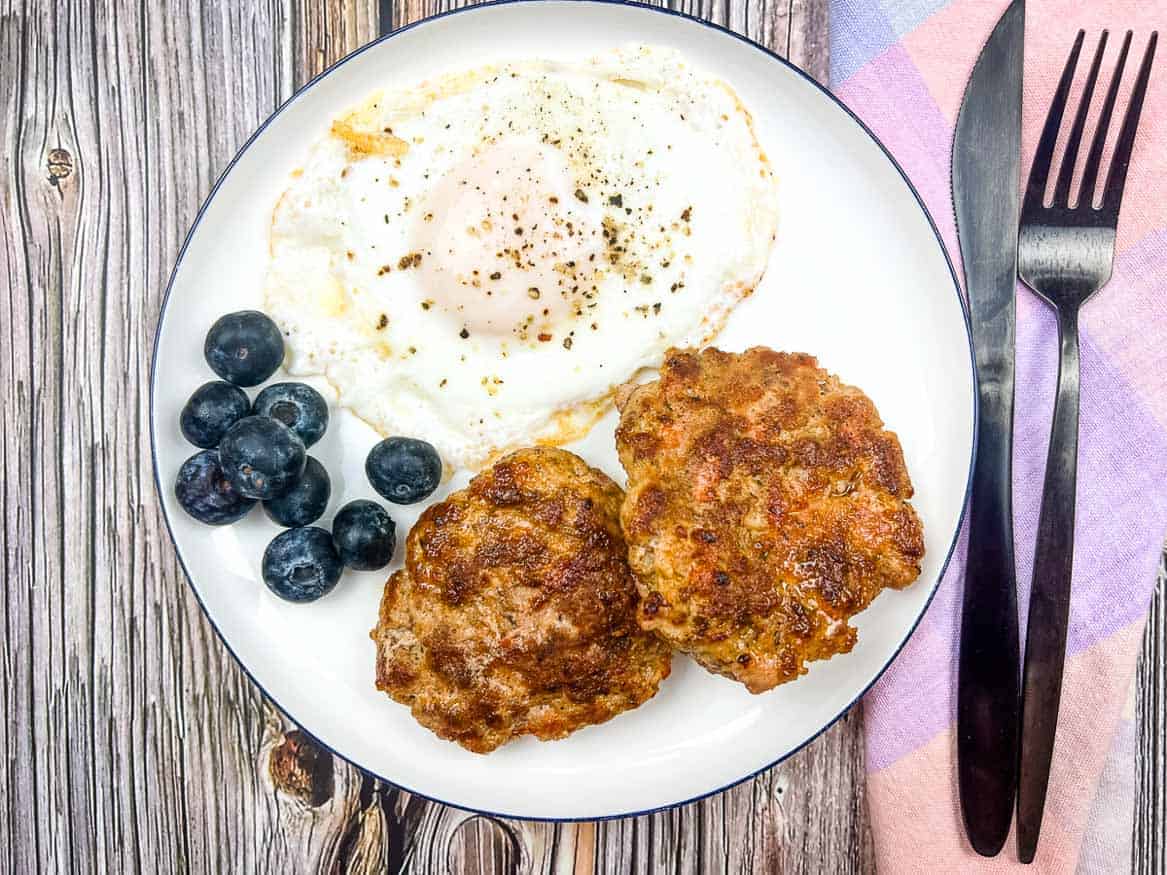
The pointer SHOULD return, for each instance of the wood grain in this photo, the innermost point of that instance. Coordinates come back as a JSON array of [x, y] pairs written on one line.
[[132, 740]]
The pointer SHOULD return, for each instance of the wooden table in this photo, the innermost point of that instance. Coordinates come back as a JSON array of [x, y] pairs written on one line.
[[132, 740]]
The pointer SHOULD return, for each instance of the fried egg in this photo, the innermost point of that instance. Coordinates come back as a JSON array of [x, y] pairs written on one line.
[[480, 260]]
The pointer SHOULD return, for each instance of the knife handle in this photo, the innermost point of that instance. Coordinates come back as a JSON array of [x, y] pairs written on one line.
[[987, 691], [1049, 600]]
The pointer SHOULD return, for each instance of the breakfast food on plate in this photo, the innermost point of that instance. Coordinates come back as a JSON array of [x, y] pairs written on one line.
[[298, 406], [244, 348], [403, 470], [481, 258], [515, 612], [364, 535], [212, 409], [305, 502], [766, 506], [262, 457], [301, 565], [204, 492]]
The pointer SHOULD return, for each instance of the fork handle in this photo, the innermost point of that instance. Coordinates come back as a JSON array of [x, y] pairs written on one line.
[[1049, 601]]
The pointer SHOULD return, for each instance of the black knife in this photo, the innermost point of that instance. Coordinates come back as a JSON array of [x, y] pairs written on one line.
[[986, 156]]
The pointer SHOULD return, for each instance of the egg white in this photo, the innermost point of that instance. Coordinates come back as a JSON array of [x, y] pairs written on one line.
[[480, 260]]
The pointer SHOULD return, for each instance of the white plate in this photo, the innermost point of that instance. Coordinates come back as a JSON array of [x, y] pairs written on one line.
[[859, 278]]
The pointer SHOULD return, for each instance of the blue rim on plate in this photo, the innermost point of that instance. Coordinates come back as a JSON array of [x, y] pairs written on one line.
[[663, 11]]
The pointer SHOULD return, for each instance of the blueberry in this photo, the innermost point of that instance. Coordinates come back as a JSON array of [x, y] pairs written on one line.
[[364, 535], [261, 457], [212, 409], [404, 470], [244, 348], [306, 502], [206, 494], [301, 408], [301, 565]]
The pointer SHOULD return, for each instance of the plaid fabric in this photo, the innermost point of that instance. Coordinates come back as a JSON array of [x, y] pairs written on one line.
[[902, 66]]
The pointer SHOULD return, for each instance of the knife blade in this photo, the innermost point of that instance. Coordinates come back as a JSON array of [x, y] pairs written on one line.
[[986, 157]]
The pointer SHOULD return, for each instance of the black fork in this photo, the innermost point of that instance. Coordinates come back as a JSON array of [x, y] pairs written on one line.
[[1065, 254]]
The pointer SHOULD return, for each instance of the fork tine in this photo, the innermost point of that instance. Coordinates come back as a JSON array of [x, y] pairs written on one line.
[[1039, 171], [1116, 178], [1070, 159], [1094, 159]]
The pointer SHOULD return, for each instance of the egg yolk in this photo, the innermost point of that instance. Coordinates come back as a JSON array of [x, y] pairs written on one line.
[[512, 243]]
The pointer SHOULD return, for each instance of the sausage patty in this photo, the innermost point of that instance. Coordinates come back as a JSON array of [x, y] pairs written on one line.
[[515, 612], [766, 506]]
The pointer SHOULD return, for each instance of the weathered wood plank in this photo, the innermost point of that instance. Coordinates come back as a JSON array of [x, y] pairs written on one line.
[[131, 739], [211, 75]]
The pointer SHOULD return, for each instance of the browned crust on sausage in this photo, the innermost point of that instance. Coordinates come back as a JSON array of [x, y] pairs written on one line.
[[515, 612], [766, 506]]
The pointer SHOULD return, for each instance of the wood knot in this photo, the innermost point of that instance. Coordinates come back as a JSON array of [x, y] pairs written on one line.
[[481, 843], [60, 165], [300, 768]]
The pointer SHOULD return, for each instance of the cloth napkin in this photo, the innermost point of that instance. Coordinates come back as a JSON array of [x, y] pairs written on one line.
[[902, 66]]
